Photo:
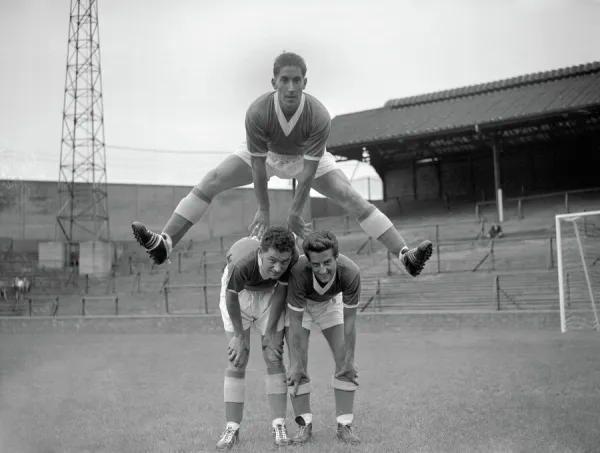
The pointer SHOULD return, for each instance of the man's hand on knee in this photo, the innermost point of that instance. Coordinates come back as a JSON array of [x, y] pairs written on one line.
[[297, 376], [272, 346], [349, 372], [238, 351]]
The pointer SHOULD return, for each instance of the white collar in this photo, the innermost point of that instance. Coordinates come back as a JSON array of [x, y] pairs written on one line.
[[323, 289], [286, 126]]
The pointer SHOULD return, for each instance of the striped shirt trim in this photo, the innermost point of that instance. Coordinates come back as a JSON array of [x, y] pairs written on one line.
[[295, 308]]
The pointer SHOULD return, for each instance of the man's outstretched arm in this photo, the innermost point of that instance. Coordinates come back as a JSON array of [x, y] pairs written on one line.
[[314, 150], [259, 177], [232, 304], [278, 300], [305, 180], [257, 142], [238, 348], [351, 296], [350, 332]]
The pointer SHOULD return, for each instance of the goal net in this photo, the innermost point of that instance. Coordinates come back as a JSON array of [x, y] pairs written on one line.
[[578, 260]]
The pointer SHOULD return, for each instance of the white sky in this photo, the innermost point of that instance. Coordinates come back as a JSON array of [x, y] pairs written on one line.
[[180, 76]]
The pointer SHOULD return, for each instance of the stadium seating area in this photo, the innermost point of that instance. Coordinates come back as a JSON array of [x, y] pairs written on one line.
[[467, 270]]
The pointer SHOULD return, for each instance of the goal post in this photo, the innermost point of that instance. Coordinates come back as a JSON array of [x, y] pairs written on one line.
[[578, 264]]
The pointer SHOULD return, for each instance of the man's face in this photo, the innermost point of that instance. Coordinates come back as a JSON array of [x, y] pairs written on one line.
[[323, 265], [273, 263], [289, 84]]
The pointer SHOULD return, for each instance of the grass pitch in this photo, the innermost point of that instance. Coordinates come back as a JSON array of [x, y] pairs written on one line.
[[443, 391]]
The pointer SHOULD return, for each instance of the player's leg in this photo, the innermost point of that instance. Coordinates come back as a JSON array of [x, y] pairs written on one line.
[[234, 386], [343, 390], [335, 185], [331, 321], [301, 402], [233, 171], [277, 392], [234, 392], [276, 378]]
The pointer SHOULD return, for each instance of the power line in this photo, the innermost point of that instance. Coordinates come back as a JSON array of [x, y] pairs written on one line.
[[163, 151]]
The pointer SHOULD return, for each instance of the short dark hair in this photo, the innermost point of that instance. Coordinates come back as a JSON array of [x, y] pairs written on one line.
[[289, 59], [319, 241], [278, 237]]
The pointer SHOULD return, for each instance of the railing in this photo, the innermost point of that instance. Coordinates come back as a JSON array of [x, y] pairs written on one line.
[[493, 291], [344, 226], [33, 305], [519, 200], [113, 299], [167, 288], [48, 305], [459, 257]]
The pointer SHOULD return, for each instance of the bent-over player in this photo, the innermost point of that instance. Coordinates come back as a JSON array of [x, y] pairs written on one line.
[[315, 285], [286, 133], [253, 292]]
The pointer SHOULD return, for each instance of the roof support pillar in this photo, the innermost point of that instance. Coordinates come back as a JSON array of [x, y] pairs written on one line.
[[496, 149], [438, 168]]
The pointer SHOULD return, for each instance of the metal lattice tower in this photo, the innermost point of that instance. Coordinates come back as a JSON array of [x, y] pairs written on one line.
[[82, 184]]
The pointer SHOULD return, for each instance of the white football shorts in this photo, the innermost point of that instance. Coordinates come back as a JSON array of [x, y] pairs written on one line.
[[321, 315], [287, 167], [255, 307]]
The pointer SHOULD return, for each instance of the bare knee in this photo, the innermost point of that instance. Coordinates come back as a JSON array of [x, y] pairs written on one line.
[[241, 369], [336, 186], [273, 364], [365, 212], [353, 202], [232, 172], [209, 187]]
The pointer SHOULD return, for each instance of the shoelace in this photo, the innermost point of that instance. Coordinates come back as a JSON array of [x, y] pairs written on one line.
[[348, 428], [280, 433], [228, 435]]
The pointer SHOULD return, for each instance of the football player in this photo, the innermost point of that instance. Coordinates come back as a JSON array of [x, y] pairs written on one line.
[[286, 133]]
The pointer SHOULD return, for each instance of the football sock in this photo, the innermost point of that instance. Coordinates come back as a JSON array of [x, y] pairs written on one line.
[[345, 419], [176, 228], [306, 417], [234, 390], [188, 212], [233, 425], [277, 392], [344, 392], [301, 402], [377, 225]]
